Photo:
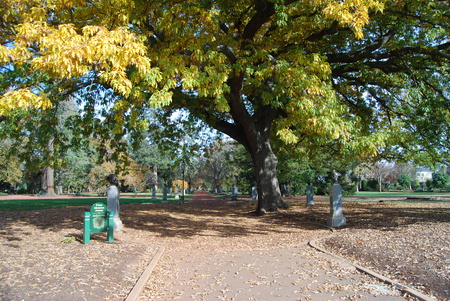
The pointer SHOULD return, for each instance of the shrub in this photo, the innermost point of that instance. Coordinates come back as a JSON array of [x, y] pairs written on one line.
[[415, 184], [440, 180], [370, 185], [404, 181], [429, 184]]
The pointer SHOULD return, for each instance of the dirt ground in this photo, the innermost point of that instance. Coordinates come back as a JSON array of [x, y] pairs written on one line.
[[43, 257], [409, 243]]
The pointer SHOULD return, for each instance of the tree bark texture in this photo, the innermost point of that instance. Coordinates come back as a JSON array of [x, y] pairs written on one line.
[[50, 187], [253, 131], [265, 166], [60, 179]]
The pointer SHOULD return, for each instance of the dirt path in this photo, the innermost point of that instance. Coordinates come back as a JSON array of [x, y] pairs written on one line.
[[282, 273], [277, 265], [201, 197]]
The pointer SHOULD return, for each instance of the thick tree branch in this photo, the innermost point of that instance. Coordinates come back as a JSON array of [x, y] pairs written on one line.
[[228, 53], [264, 10], [370, 51], [224, 27]]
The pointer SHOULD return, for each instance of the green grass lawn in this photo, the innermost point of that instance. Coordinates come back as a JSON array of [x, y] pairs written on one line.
[[402, 196], [374, 194], [43, 203]]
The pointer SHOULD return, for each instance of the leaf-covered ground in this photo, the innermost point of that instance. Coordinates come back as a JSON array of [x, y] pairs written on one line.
[[408, 242], [220, 251]]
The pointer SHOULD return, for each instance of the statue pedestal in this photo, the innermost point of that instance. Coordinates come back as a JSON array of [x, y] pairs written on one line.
[[334, 221], [153, 193], [254, 194], [118, 224], [336, 218], [164, 200], [310, 196]]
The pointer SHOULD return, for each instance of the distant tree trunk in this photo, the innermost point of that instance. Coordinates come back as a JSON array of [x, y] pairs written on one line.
[[155, 176], [60, 189], [216, 177], [43, 180], [380, 182], [50, 191], [50, 187]]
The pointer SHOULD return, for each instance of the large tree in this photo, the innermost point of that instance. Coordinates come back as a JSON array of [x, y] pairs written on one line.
[[354, 77]]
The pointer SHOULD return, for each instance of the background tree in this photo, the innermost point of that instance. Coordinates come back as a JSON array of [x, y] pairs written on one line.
[[10, 168], [40, 137], [217, 164], [404, 181], [98, 176], [406, 168], [428, 185], [180, 185], [295, 172], [441, 180], [159, 165], [241, 172], [134, 177], [383, 172], [415, 184], [74, 173]]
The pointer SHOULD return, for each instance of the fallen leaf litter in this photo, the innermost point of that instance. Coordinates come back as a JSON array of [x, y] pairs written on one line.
[[207, 244]]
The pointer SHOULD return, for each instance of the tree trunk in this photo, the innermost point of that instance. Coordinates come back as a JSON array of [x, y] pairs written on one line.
[[60, 189], [265, 167], [50, 191], [253, 131], [50, 187], [155, 177], [43, 180]]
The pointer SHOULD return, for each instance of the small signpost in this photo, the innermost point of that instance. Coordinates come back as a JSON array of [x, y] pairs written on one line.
[[97, 220]]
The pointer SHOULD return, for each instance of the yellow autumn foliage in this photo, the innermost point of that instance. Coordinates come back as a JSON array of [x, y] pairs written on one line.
[[75, 49], [116, 43], [180, 184], [22, 99]]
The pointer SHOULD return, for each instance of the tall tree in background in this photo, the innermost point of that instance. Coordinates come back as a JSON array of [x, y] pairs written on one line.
[[10, 166], [40, 138], [217, 165], [75, 172], [159, 166], [354, 77]]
